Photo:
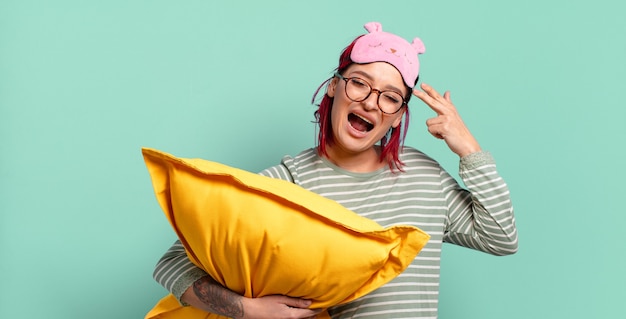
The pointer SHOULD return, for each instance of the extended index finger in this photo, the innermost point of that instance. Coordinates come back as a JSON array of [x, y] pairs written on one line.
[[431, 97]]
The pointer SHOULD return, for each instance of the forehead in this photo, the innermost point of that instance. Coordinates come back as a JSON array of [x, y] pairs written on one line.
[[380, 74]]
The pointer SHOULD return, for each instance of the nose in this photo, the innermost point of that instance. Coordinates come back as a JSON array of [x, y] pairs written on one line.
[[371, 102]]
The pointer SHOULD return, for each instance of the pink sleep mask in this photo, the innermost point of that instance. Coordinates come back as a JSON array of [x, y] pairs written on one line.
[[379, 46]]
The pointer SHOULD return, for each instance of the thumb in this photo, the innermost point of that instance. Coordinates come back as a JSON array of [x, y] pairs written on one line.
[[446, 96]]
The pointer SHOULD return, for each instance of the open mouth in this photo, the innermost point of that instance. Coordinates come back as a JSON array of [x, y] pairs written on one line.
[[359, 123]]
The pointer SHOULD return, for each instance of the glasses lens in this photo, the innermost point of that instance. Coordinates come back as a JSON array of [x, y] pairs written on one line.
[[390, 102], [357, 89]]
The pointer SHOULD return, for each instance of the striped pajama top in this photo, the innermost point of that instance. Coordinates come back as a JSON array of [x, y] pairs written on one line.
[[424, 195]]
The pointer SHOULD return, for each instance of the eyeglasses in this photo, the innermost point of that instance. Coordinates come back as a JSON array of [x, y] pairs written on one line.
[[358, 90]]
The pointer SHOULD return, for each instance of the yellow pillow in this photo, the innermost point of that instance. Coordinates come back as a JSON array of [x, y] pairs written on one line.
[[261, 236]]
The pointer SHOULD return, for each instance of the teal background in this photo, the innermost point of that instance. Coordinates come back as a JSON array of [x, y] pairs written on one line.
[[85, 84]]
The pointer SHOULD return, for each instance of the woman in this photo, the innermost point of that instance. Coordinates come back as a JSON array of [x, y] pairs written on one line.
[[361, 163]]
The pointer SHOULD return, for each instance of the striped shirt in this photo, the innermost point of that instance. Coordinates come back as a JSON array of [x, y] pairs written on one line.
[[423, 195]]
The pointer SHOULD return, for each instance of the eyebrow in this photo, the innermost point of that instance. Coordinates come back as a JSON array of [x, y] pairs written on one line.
[[371, 79]]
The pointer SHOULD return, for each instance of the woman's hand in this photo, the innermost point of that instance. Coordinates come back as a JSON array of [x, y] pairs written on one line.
[[278, 307], [447, 125]]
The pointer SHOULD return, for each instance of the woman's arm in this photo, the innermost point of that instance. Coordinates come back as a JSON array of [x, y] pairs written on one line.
[[194, 287], [210, 296], [480, 217]]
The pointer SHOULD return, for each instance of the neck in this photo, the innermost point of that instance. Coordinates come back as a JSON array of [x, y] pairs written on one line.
[[362, 162]]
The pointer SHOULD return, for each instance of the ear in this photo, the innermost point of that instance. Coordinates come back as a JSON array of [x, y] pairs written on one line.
[[398, 120], [332, 87]]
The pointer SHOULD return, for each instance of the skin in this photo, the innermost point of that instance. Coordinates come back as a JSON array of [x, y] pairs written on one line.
[[352, 149], [447, 125], [355, 151]]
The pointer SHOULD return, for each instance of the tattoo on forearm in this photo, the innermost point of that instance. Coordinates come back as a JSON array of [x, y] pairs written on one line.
[[220, 300]]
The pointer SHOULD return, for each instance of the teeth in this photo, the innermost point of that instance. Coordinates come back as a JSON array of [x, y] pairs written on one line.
[[364, 119]]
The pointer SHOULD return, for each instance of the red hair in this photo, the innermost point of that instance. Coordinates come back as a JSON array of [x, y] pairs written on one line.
[[390, 143]]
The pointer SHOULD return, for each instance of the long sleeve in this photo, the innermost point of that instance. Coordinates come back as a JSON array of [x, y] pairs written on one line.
[[175, 272], [480, 217]]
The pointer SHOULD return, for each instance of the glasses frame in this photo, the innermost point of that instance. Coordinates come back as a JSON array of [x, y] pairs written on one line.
[[372, 89]]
